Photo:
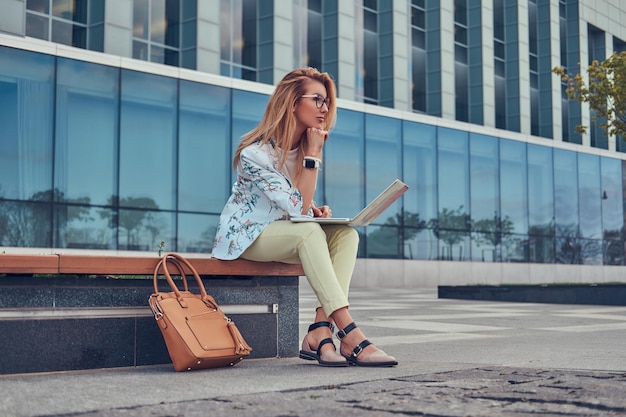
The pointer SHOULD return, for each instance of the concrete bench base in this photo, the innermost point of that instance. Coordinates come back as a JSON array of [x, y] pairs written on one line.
[[59, 323]]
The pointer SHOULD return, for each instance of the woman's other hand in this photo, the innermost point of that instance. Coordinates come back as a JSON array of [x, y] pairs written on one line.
[[323, 211]]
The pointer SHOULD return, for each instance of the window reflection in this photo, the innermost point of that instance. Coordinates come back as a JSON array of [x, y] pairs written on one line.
[[84, 227], [156, 31], [383, 164], [343, 167], [143, 230], [540, 204], [383, 153], [566, 206], [196, 232], [86, 131], [487, 225], [26, 104], [589, 196], [203, 136], [420, 202], [453, 222], [514, 201], [147, 140], [239, 40], [612, 211], [248, 109], [25, 225], [383, 242]]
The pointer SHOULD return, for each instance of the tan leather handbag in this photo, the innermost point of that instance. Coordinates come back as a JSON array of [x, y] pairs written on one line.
[[197, 333]]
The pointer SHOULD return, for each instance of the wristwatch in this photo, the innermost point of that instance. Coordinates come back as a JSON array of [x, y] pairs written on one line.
[[311, 163]]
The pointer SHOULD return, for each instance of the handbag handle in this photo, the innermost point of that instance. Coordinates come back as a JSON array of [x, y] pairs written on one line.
[[177, 260], [181, 272]]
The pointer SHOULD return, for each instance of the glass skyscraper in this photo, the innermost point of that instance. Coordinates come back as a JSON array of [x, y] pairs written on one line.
[[119, 121]]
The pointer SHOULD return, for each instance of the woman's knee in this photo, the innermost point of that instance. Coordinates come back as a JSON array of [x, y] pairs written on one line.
[[311, 231], [349, 234]]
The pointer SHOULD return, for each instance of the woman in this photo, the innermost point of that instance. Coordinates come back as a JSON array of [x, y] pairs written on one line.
[[277, 165]]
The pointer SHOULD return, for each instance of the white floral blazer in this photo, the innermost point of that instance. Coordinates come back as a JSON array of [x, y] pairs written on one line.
[[261, 195]]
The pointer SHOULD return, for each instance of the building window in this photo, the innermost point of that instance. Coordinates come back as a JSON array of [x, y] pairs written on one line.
[[533, 60], [374, 53], [322, 36], [239, 40], [461, 69], [78, 23], [370, 51], [506, 64], [418, 55], [596, 48], [569, 31], [315, 32], [618, 47], [156, 31], [540, 69]]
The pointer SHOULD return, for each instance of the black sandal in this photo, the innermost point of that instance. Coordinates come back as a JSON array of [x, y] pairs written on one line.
[[328, 358], [377, 358]]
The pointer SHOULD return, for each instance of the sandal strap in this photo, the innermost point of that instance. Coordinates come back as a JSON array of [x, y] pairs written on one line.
[[322, 324], [343, 332], [359, 348], [322, 343]]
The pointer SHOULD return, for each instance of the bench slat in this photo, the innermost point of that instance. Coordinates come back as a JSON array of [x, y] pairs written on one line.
[[29, 264], [127, 265]]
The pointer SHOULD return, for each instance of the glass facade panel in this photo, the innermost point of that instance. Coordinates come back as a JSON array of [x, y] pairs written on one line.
[[612, 211], [25, 224], [383, 153], [84, 227], [248, 109], [485, 198], [204, 149], [540, 204], [383, 242], [566, 206], [147, 141], [513, 186], [143, 230], [196, 232], [514, 201], [420, 201], [26, 117], [87, 125], [453, 221], [344, 165], [589, 196], [383, 156]]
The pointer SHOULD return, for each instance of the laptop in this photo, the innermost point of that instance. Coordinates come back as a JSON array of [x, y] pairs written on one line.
[[368, 214]]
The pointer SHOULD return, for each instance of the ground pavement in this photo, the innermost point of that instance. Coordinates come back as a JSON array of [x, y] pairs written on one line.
[[457, 358]]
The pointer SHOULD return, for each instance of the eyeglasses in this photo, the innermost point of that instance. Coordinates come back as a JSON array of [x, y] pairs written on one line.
[[319, 100]]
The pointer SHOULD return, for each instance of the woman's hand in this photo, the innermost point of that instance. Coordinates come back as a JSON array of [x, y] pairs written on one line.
[[323, 211], [316, 139]]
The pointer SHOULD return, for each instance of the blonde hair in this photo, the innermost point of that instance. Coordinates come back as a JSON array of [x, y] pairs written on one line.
[[279, 121]]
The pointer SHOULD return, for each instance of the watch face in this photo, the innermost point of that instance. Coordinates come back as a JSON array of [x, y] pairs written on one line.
[[310, 164]]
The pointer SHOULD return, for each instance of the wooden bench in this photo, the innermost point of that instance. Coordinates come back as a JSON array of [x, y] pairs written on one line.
[[134, 265], [76, 311]]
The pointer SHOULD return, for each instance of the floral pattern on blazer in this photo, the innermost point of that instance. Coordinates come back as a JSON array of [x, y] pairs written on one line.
[[261, 194]]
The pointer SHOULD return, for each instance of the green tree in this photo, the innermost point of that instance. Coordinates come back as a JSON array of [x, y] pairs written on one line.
[[605, 92]]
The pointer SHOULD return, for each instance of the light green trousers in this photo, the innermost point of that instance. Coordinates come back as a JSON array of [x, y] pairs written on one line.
[[327, 254]]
